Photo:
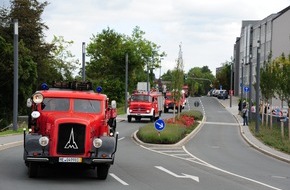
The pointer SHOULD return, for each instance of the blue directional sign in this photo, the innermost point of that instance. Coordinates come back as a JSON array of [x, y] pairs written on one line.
[[246, 89], [159, 125]]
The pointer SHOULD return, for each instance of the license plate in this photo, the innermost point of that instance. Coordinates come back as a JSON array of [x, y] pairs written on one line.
[[69, 159]]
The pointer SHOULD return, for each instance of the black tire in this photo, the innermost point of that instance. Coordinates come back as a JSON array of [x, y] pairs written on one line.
[[102, 171], [152, 118], [165, 110], [129, 119], [32, 170]]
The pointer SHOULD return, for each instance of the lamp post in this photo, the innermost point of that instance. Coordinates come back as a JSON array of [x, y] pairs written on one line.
[[231, 88], [250, 86], [257, 88], [83, 61], [126, 82], [242, 84], [15, 89]]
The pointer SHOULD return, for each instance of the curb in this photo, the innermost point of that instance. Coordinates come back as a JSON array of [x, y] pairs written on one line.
[[178, 144], [256, 146]]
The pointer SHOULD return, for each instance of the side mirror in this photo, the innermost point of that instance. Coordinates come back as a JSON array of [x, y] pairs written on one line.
[[29, 102], [113, 104]]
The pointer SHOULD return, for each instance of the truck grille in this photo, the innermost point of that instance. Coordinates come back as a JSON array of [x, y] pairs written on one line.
[[138, 109], [71, 138]]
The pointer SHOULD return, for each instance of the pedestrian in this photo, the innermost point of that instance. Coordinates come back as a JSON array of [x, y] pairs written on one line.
[[240, 106], [244, 104], [245, 115]]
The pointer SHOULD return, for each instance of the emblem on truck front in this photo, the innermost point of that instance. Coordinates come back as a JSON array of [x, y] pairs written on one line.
[[71, 142]]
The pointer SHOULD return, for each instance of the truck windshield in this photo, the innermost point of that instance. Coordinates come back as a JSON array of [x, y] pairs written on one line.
[[55, 104], [87, 106], [141, 98]]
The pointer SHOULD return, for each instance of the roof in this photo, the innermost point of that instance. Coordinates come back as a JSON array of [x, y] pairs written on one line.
[[59, 93]]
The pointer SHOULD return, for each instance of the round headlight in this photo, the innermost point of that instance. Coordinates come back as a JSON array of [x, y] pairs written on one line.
[[97, 142], [43, 141], [35, 114], [37, 98]]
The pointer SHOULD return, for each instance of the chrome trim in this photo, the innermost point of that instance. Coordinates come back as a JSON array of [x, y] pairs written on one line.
[[37, 159], [102, 160]]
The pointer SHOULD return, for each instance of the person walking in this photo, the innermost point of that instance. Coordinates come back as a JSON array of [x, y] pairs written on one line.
[[245, 115]]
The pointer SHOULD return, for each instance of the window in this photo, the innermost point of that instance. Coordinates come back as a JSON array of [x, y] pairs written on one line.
[[87, 106], [55, 104]]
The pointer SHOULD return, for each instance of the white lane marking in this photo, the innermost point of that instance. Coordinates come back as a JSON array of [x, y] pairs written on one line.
[[121, 138], [195, 178], [233, 174], [203, 163], [221, 123], [118, 179]]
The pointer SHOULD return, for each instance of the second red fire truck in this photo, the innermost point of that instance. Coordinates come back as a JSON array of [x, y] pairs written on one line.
[[143, 104]]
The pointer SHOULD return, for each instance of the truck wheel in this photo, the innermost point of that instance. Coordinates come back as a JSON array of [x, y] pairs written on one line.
[[165, 110], [32, 170], [102, 171], [152, 118], [129, 119]]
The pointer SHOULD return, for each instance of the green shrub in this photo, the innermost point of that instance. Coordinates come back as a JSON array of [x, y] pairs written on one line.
[[173, 132]]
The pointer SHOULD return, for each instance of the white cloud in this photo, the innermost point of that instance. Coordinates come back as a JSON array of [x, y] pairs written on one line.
[[207, 28]]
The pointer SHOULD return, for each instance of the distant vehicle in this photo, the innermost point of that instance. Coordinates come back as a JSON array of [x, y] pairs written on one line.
[[223, 94], [215, 93], [170, 102]]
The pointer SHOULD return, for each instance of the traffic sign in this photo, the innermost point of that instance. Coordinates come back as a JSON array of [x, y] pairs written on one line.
[[159, 125], [196, 103], [246, 89]]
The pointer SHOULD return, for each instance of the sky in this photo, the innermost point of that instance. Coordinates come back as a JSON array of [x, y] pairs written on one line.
[[205, 30]]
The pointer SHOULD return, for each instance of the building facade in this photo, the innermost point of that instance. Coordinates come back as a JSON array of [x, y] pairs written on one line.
[[260, 41]]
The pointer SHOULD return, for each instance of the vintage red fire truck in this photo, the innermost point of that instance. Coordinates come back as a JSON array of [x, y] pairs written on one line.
[[70, 125], [143, 104], [171, 103]]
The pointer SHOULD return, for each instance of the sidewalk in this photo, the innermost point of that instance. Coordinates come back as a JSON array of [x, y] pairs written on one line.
[[248, 136]]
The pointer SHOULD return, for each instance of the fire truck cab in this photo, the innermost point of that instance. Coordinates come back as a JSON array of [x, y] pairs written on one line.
[[143, 104], [70, 125]]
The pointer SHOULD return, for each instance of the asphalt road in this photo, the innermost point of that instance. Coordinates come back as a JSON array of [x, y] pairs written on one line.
[[215, 158]]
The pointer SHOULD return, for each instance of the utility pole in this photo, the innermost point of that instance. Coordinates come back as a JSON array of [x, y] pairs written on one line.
[[83, 61], [126, 83], [15, 89], [257, 88]]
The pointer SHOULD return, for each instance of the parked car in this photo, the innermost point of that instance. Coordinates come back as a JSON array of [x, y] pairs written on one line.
[[223, 94]]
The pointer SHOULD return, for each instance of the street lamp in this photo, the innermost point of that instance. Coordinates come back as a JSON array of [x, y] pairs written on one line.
[[250, 86], [15, 88], [231, 88], [242, 84], [257, 88]]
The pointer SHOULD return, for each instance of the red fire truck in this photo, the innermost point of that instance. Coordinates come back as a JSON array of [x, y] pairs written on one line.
[[170, 102], [70, 125], [143, 104]]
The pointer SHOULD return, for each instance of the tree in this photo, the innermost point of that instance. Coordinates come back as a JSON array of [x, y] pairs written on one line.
[[177, 81], [223, 77], [107, 51], [31, 32], [199, 80], [63, 62]]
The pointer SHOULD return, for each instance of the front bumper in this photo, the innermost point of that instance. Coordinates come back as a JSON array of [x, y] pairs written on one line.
[[33, 152]]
